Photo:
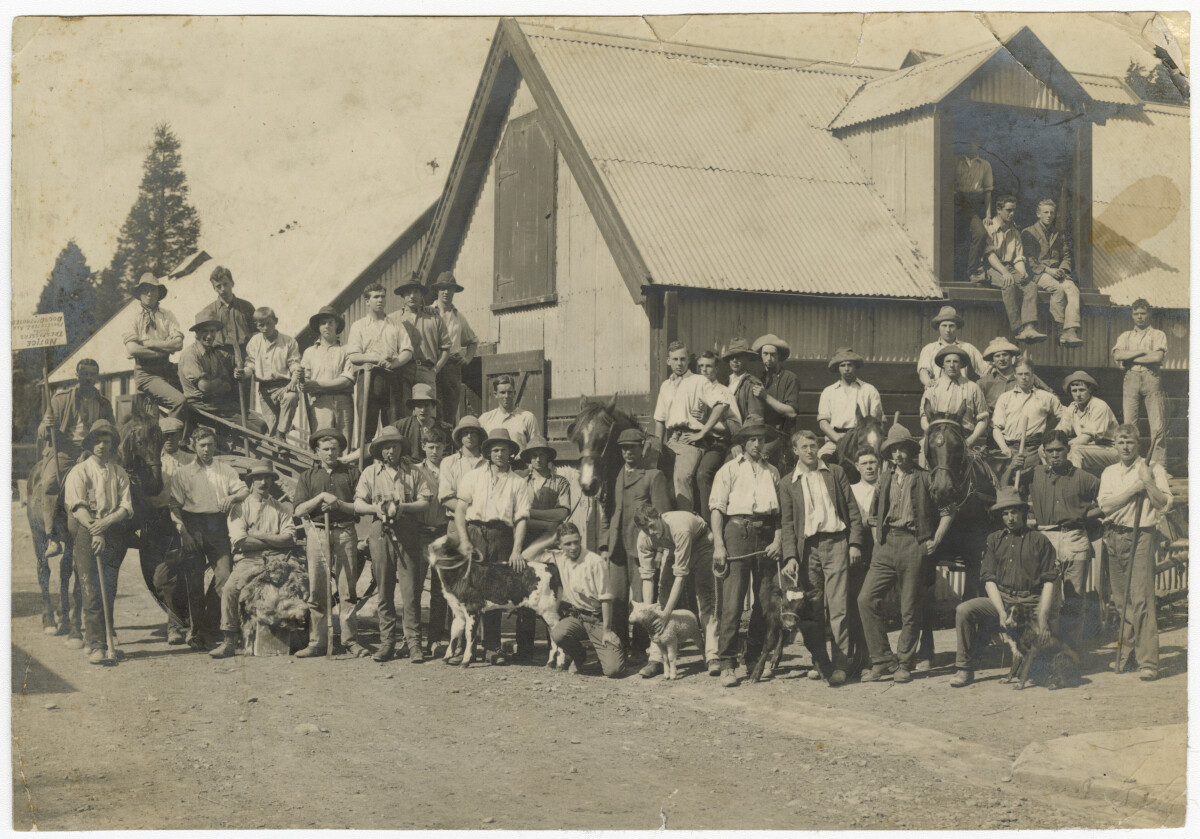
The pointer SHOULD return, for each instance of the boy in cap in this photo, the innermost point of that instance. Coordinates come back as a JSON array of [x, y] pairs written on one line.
[[635, 486], [907, 528], [491, 516], [273, 361], [1018, 568], [463, 342], [397, 494], [207, 374], [954, 393], [948, 323], [746, 544], [329, 487], [1130, 538], [428, 335], [1048, 253], [1090, 424], [96, 497], [150, 337], [375, 342], [844, 401], [259, 528], [202, 494], [1141, 351], [328, 373]]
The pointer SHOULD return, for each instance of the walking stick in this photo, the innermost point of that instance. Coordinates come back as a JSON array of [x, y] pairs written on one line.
[[362, 419], [237, 356], [50, 428], [1021, 452], [109, 636], [1137, 525], [330, 581], [308, 409]]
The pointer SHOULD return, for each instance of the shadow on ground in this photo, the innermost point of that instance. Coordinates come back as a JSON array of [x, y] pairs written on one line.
[[30, 676]]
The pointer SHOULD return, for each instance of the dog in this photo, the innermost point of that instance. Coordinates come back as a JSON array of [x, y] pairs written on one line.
[[1053, 664], [681, 628]]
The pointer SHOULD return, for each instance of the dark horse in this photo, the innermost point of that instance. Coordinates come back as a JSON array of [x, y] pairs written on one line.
[[48, 523], [594, 432], [964, 485], [867, 432]]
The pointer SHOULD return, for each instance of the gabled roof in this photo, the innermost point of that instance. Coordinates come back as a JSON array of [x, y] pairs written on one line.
[[703, 168], [928, 82]]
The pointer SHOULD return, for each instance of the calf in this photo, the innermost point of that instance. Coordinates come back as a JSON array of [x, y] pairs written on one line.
[[785, 612], [472, 587]]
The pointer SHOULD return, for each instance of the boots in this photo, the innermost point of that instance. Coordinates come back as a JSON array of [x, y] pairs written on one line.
[[1030, 335], [1070, 338], [227, 647], [386, 651]]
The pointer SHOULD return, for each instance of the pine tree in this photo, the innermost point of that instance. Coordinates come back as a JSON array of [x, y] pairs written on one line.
[[161, 229], [1154, 84], [70, 291]]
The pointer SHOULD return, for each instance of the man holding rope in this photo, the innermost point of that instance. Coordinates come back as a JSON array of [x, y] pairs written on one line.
[[1132, 497]]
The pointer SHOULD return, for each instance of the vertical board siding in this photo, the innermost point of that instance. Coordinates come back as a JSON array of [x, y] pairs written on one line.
[[1010, 84]]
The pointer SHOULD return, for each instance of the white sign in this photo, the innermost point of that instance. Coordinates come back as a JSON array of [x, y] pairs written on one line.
[[39, 331]]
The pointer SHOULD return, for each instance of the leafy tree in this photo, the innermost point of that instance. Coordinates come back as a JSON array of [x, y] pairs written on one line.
[[162, 228], [1155, 84]]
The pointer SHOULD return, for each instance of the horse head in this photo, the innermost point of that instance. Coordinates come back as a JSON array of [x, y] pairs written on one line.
[[141, 450], [871, 432], [594, 432], [946, 455]]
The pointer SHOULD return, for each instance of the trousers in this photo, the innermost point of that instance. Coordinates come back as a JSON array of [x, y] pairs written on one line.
[[570, 633], [828, 562], [163, 387], [711, 460], [1074, 552], [449, 391], [208, 535], [334, 410], [98, 599], [1090, 456], [398, 562], [625, 581], [494, 541], [742, 536], [972, 618], [345, 566], [701, 586], [279, 402], [244, 570], [1144, 385], [1021, 299], [687, 460], [1134, 596], [159, 554], [898, 562], [382, 402]]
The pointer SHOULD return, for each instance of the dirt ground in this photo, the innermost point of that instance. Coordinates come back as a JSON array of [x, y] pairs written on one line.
[[172, 739]]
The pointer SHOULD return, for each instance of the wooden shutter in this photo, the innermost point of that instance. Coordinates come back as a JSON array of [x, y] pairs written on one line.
[[529, 371], [525, 214]]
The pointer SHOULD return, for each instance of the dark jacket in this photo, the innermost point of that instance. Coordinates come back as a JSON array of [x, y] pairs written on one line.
[[632, 489], [791, 508], [1045, 253], [925, 511]]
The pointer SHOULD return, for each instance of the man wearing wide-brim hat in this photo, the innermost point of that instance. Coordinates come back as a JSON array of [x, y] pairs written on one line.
[[954, 395], [260, 528], [491, 516], [463, 343], [396, 493], [1000, 377], [1018, 567], [907, 528], [328, 373], [151, 335], [738, 355], [778, 395], [97, 500], [422, 419], [328, 487], [206, 372], [428, 334], [948, 323], [1090, 423], [468, 435], [846, 401], [634, 486]]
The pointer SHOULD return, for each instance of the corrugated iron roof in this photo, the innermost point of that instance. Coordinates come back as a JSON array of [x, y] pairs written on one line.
[[295, 272], [724, 171], [1108, 89]]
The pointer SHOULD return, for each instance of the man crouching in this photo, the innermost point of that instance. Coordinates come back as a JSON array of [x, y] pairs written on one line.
[[1019, 568], [585, 598]]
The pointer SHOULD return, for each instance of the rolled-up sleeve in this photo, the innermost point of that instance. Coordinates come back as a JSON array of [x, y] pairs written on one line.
[[648, 562], [718, 498], [75, 489], [682, 537], [522, 502], [236, 522]]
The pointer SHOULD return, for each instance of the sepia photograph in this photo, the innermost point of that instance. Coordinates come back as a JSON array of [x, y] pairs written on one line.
[[702, 422]]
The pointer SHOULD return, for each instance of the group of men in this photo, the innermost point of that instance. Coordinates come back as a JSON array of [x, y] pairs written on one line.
[[749, 494]]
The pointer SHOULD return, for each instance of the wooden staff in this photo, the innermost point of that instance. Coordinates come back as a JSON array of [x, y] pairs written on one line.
[[50, 429], [110, 637], [237, 357], [1137, 524], [1021, 452], [330, 581], [362, 419], [307, 403]]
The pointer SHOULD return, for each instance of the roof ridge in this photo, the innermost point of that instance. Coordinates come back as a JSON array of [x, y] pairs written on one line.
[[782, 176]]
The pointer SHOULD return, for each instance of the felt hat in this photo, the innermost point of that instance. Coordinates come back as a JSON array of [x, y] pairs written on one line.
[[90, 363], [500, 435], [1080, 376], [773, 341], [388, 435], [947, 313], [631, 437], [314, 322], [953, 349], [421, 392], [538, 444], [755, 427], [321, 433], [898, 435], [148, 280], [260, 469], [845, 354], [467, 423], [1000, 344], [446, 280], [1007, 498], [202, 323], [101, 426], [170, 425], [413, 282], [738, 346]]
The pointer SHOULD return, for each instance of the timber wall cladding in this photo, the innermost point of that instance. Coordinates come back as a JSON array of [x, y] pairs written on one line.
[[525, 214]]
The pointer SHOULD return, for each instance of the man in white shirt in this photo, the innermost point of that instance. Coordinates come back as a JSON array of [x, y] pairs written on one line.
[[1124, 487], [469, 436], [867, 462], [947, 323], [1141, 351], [375, 342], [328, 374], [520, 424], [680, 396], [846, 400], [97, 500], [150, 338], [273, 361], [463, 342], [1090, 423]]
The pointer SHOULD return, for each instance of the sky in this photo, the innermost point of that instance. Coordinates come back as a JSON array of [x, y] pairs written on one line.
[[303, 119]]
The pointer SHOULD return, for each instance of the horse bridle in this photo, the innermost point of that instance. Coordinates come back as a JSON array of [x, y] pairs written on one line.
[[970, 477]]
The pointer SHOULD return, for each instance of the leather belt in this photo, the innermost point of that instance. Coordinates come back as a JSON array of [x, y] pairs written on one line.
[[1120, 528]]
